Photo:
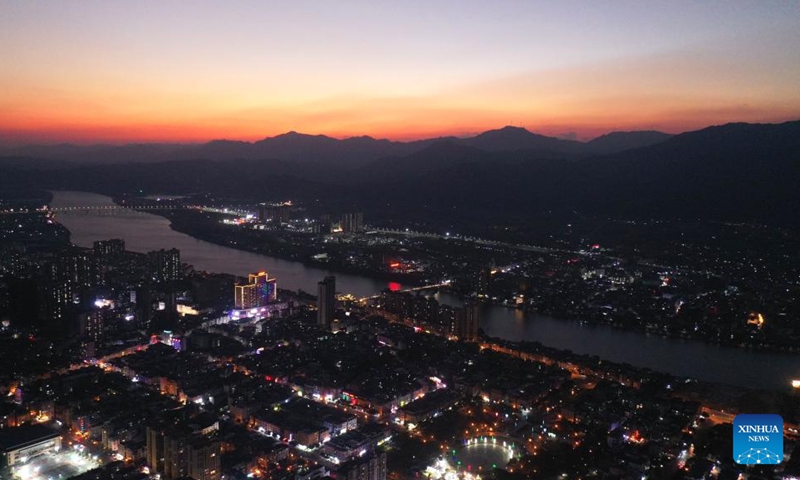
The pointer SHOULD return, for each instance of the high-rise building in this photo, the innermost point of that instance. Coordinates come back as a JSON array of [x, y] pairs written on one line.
[[105, 253], [11, 262], [165, 265], [175, 453], [368, 467], [154, 450], [92, 324], [274, 213], [259, 291], [483, 281], [352, 222], [64, 281], [107, 248], [77, 268], [468, 322], [56, 300], [143, 300], [24, 301], [326, 301]]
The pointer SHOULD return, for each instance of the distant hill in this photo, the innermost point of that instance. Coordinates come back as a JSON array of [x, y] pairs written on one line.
[[434, 158], [298, 147], [729, 172], [233, 178], [736, 171], [616, 142], [515, 138], [144, 152], [33, 164]]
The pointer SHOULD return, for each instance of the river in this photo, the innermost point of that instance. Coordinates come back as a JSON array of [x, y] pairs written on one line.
[[144, 232]]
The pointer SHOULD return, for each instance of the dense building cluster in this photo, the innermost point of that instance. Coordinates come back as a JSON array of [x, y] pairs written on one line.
[[134, 366], [384, 400], [428, 313], [678, 279]]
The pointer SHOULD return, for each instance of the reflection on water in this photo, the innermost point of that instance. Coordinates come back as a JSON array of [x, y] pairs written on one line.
[[144, 232], [688, 358]]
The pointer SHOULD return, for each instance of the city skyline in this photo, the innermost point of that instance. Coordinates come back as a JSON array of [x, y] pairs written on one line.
[[118, 73], [515, 240]]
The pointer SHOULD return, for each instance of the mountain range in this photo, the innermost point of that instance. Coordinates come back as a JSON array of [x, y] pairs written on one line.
[[349, 152], [733, 172]]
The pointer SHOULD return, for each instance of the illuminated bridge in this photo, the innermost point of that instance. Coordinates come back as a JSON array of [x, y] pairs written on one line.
[[413, 289], [120, 208]]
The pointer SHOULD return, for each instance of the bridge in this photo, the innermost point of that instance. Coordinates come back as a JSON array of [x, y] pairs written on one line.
[[92, 208], [413, 289], [120, 208]]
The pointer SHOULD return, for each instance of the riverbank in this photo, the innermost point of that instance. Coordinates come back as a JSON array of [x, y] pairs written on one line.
[[789, 349], [407, 281], [208, 231], [143, 232], [181, 225]]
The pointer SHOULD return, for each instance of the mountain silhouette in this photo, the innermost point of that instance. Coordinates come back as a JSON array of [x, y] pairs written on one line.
[[730, 172], [516, 138], [616, 142], [299, 147], [735, 171]]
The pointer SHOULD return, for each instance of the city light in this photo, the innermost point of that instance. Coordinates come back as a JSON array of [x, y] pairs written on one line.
[[756, 319], [432, 342], [65, 463]]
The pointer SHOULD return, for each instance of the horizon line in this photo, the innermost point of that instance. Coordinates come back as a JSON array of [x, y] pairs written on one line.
[[4, 143]]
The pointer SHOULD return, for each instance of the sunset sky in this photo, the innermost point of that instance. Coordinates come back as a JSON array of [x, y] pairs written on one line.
[[138, 71]]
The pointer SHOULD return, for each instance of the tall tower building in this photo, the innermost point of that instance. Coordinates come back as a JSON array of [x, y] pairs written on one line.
[[104, 252], [165, 265], [352, 222], [64, 281], [93, 325], [468, 322], [177, 454], [155, 448], [369, 467], [326, 301], [483, 281], [11, 262], [259, 291], [57, 300], [77, 268], [106, 248], [276, 214]]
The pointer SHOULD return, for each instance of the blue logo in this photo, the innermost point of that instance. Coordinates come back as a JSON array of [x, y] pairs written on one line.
[[758, 439]]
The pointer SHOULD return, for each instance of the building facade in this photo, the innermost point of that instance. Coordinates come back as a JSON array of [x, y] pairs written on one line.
[[20, 444], [259, 291], [326, 302], [165, 265], [176, 454]]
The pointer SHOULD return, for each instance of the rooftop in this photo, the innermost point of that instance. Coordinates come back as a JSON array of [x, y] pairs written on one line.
[[18, 437]]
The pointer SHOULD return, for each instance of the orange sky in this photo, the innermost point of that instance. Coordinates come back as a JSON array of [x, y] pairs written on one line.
[[162, 71]]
